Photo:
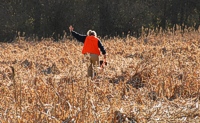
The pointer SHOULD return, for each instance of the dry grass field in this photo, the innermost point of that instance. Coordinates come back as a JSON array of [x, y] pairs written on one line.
[[154, 79]]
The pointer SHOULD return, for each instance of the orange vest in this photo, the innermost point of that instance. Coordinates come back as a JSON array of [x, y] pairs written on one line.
[[91, 45]]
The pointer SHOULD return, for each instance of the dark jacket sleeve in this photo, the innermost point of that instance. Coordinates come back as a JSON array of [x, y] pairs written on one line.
[[101, 47], [79, 37]]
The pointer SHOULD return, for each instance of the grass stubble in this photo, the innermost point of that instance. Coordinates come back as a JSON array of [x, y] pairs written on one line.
[[151, 79]]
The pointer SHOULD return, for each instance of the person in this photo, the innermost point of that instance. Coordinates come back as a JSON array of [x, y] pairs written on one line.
[[92, 46]]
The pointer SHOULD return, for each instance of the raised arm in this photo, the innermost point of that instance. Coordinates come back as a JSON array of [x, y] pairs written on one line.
[[79, 37]]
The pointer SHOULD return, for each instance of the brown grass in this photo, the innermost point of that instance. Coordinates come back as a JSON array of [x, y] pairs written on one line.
[[151, 79]]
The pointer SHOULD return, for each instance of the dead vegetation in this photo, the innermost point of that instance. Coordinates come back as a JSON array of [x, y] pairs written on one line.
[[152, 79]]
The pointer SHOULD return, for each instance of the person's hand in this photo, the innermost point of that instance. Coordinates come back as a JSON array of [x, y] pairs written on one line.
[[71, 28], [104, 58], [104, 61]]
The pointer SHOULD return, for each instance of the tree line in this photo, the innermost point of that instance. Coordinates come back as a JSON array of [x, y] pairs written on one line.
[[51, 18]]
